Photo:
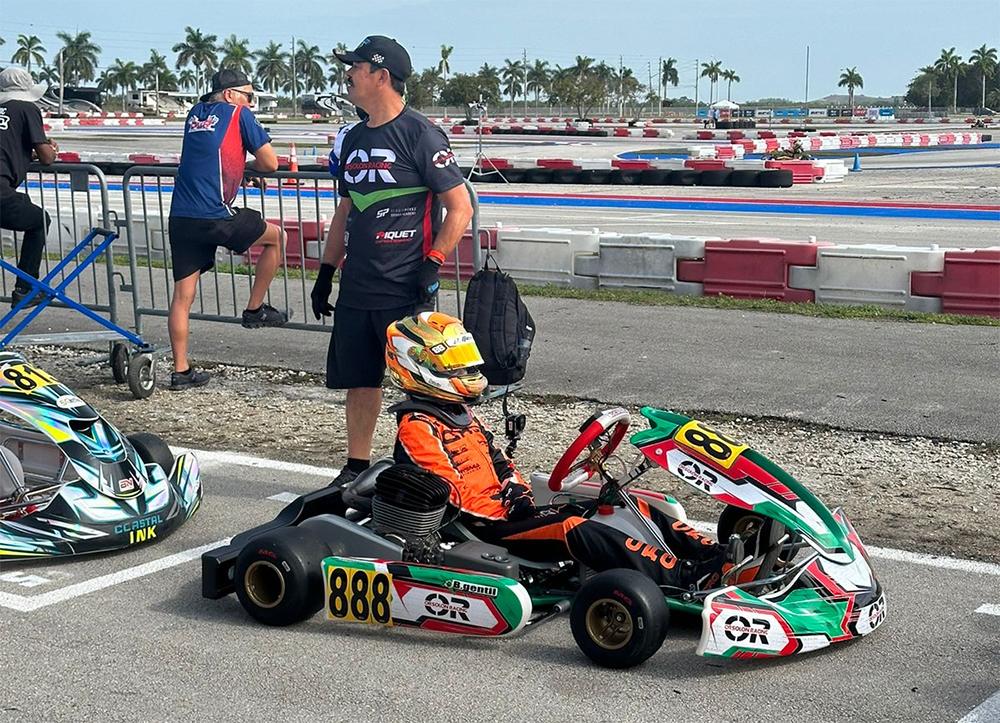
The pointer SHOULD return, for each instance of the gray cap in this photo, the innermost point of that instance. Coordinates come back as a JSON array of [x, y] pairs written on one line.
[[16, 84]]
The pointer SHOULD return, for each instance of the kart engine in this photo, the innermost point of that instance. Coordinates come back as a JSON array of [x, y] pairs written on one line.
[[408, 508]]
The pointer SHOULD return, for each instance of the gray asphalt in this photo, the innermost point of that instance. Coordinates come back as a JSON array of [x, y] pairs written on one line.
[[141, 648]]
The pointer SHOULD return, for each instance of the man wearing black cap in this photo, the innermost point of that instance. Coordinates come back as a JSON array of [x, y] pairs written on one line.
[[22, 135], [218, 133], [396, 172]]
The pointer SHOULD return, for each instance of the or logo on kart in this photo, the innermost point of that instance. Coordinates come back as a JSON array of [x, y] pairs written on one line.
[[69, 401], [753, 631], [471, 588], [443, 159], [697, 475], [876, 613], [456, 608]]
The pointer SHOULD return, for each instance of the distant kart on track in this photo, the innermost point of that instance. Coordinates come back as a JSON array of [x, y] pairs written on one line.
[[380, 551], [70, 483]]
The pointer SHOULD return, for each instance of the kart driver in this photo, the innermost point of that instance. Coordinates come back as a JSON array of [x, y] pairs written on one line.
[[435, 360]]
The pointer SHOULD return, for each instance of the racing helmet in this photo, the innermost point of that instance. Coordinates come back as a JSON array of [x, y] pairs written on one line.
[[431, 354]]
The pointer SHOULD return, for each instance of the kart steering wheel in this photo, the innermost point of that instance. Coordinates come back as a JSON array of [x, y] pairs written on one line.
[[599, 437]]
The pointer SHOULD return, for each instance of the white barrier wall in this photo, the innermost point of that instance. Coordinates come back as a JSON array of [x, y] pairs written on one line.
[[876, 274], [548, 255], [648, 261]]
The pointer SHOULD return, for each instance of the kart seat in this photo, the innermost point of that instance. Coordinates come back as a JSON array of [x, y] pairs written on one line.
[[11, 474]]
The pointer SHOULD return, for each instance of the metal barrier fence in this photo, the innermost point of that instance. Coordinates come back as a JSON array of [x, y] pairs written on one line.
[[302, 203], [75, 206]]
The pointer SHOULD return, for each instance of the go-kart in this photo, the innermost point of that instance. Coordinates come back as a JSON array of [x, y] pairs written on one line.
[[798, 579], [70, 483]]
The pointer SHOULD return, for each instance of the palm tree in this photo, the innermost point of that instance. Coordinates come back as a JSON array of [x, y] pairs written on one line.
[[30, 48], [272, 67], [120, 75], [984, 60], [187, 79], [731, 77], [309, 66], [79, 56], [236, 54], [338, 71], [851, 79], [582, 65], [443, 66], [512, 73], [712, 71], [538, 78], [197, 50], [950, 64], [668, 74], [48, 74], [928, 76], [489, 78]]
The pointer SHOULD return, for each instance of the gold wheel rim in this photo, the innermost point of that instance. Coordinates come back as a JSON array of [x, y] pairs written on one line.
[[609, 624], [264, 584]]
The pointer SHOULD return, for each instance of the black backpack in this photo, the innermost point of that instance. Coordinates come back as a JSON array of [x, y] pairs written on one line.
[[500, 323]]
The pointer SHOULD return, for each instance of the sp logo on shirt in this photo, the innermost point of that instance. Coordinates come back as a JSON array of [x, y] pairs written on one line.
[[360, 165]]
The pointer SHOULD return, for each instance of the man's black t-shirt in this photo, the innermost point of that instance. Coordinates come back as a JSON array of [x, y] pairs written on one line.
[[392, 174], [20, 131]]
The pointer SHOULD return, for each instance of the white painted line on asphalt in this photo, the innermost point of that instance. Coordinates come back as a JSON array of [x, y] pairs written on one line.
[[989, 609], [34, 602], [246, 460], [948, 563], [987, 712]]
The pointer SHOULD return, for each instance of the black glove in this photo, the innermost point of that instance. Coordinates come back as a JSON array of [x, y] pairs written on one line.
[[322, 289], [517, 499], [428, 281]]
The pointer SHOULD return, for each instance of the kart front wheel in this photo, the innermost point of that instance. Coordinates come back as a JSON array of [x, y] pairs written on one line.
[[619, 618], [152, 449], [279, 576]]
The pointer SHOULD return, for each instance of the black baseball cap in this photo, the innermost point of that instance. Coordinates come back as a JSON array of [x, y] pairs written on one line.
[[226, 78], [383, 52]]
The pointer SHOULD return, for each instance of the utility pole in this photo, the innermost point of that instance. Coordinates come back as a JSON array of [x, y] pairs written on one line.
[[807, 75], [157, 91], [661, 86], [524, 67], [621, 89], [295, 80], [649, 69], [697, 82]]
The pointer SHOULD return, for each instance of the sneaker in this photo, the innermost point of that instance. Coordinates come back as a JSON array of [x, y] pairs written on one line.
[[345, 478], [17, 295], [188, 380], [266, 315]]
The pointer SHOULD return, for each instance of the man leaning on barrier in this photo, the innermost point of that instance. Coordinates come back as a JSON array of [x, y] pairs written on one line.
[[21, 136], [396, 171], [218, 133]]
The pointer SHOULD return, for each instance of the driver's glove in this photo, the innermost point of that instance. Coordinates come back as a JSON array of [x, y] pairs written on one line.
[[428, 280], [517, 498], [321, 291]]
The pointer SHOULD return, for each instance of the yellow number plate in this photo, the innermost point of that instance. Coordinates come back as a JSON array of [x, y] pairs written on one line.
[[359, 596], [706, 441], [24, 378]]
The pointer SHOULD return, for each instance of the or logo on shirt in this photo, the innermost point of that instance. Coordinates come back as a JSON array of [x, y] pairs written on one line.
[[360, 165], [4, 120], [443, 159], [194, 124]]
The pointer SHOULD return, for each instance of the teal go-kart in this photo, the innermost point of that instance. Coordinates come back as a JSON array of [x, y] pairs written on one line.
[[70, 483], [383, 553]]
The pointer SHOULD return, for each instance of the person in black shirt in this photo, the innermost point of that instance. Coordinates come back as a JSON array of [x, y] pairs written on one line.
[[396, 172], [21, 136]]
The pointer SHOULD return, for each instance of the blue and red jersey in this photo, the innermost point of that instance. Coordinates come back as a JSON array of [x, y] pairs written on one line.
[[217, 137]]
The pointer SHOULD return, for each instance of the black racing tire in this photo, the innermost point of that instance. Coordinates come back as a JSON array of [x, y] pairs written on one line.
[[566, 175], [538, 175], [654, 177], [624, 177], [141, 376], [744, 177], [595, 176], [715, 177], [619, 618], [279, 576], [119, 362], [775, 178], [684, 177], [152, 449]]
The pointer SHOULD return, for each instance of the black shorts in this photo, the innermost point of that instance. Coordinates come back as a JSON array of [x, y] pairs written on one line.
[[356, 357], [193, 241]]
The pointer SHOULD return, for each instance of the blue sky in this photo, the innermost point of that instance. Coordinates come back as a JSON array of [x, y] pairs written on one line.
[[764, 41]]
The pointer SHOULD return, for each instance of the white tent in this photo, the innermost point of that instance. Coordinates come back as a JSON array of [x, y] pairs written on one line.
[[725, 105]]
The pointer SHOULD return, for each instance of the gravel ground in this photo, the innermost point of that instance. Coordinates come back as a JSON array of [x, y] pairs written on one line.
[[914, 493]]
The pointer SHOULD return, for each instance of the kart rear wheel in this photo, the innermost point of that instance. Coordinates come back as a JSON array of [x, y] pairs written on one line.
[[152, 449], [279, 576], [619, 618]]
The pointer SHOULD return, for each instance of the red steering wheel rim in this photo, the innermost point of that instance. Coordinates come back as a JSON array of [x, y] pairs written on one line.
[[595, 427]]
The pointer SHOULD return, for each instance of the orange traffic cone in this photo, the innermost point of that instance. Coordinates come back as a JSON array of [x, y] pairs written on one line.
[[293, 167]]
